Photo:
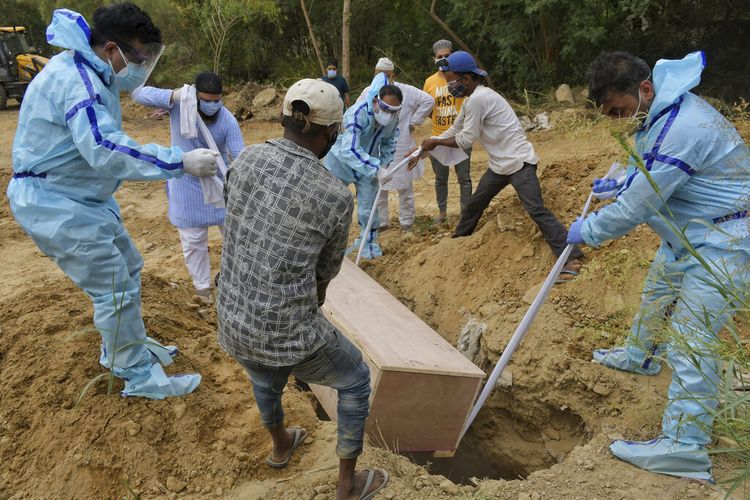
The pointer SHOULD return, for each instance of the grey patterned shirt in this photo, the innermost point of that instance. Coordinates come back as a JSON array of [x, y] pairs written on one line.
[[287, 226]]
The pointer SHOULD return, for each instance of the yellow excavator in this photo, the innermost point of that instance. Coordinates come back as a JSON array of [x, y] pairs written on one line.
[[19, 63]]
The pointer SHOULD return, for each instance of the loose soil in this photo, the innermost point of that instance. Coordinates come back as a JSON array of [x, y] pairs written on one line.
[[549, 428]]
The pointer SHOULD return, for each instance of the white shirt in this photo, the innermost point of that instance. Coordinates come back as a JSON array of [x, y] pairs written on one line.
[[487, 116]]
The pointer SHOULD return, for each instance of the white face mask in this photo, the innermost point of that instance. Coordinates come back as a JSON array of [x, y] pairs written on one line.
[[634, 116], [633, 123], [384, 118]]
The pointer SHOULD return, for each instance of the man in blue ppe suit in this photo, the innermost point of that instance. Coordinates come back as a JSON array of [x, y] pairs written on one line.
[[364, 150], [70, 155], [695, 197]]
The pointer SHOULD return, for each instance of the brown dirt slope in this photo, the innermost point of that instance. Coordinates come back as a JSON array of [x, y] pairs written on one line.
[[558, 411]]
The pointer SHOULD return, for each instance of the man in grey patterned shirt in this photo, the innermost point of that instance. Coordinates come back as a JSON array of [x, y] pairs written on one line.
[[287, 225]]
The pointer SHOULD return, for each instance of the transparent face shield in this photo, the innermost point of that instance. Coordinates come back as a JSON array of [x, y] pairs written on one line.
[[140, 61], [148, 58]]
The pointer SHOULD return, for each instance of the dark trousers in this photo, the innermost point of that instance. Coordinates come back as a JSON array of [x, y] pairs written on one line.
[[463, 173], [526, 184]]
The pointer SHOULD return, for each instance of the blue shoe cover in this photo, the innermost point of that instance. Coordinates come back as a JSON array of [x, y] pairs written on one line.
[[620, 359], [159, 353], [164, 354], [151, 382], [371, 251], [666, 456], [353, 247]]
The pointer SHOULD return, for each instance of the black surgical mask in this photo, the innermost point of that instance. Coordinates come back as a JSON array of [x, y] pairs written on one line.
[[442, 62], [331, 142], [456, 88]]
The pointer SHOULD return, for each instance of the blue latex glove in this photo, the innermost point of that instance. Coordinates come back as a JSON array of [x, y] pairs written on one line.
[[574, 233], [606, 189]]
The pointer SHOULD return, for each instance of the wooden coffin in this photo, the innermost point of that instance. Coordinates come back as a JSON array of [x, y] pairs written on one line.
[[422, 387]]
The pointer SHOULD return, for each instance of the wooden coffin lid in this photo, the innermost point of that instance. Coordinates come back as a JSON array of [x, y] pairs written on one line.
[[393, 337]]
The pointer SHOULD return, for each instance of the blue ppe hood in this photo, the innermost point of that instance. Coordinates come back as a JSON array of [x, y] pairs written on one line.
[[69, 30], [378, 83], [674, 77]]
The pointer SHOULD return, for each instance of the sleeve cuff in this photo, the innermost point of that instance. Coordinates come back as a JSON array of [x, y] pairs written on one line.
[[463, 144], [587, 232]]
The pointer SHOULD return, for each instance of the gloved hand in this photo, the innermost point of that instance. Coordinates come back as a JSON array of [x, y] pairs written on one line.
[[384, 175], [574, 233], [200, 162], [605, 189]]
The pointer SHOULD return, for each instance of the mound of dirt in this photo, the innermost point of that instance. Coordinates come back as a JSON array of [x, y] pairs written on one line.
[[253, 101], [550, 425]]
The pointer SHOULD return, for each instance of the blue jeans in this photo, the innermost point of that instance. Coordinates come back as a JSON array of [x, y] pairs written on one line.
[[338, 365]]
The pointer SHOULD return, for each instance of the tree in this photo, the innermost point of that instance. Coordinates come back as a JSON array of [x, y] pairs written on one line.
[[345, 25], [458, 39], [218, 17], [313, 39], [221, 17]]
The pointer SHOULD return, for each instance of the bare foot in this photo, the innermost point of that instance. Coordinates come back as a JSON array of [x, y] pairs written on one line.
[[569, 271], [281, 451], [573, 265], [358, 485]]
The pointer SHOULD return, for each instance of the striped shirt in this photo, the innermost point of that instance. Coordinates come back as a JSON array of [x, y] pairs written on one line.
[[186, 207]]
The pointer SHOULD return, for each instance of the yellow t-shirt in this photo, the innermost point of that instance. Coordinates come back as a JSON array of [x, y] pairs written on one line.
[[446, 106]]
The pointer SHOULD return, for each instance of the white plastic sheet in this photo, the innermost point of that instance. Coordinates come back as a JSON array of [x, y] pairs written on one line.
[[448, 156]]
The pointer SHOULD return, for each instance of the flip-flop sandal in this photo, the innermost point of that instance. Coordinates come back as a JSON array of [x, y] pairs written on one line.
[[568, 272], [370, 477], [299, 437]]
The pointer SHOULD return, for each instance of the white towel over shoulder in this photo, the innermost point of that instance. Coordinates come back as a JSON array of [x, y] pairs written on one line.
[[190, 122]]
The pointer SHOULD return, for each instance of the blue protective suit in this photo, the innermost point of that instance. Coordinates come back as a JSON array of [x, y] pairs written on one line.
[[360, 150], [702, 169], [69, 156]]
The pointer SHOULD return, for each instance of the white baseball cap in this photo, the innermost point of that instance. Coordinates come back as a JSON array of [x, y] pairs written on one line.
[[385, 64], [322, 98]]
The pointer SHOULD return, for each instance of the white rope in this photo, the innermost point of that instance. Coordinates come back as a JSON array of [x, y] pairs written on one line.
[[366, 235]]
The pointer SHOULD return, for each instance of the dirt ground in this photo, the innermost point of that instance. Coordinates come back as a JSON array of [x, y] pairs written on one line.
[[550, 428]]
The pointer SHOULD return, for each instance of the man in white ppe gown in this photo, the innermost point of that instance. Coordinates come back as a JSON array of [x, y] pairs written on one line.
[[695, 196], [69, 157]]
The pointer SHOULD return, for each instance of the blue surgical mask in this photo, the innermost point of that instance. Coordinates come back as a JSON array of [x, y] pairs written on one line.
[[131, 76], [331, 73], [209, 108]]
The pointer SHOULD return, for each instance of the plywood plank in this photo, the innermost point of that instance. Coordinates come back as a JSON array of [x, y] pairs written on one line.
[[392, 336], [422, 387], [421, 412], [414, 412]]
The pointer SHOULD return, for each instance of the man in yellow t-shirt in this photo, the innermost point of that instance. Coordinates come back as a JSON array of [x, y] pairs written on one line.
[[443, 114]]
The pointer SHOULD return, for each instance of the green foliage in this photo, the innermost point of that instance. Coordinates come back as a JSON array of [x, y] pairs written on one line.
[[524, 44], [24, 13]]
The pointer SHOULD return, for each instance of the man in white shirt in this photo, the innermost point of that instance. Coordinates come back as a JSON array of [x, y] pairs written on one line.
[[487, 117]]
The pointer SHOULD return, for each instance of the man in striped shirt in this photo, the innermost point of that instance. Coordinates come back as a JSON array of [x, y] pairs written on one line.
[[187, 210]]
